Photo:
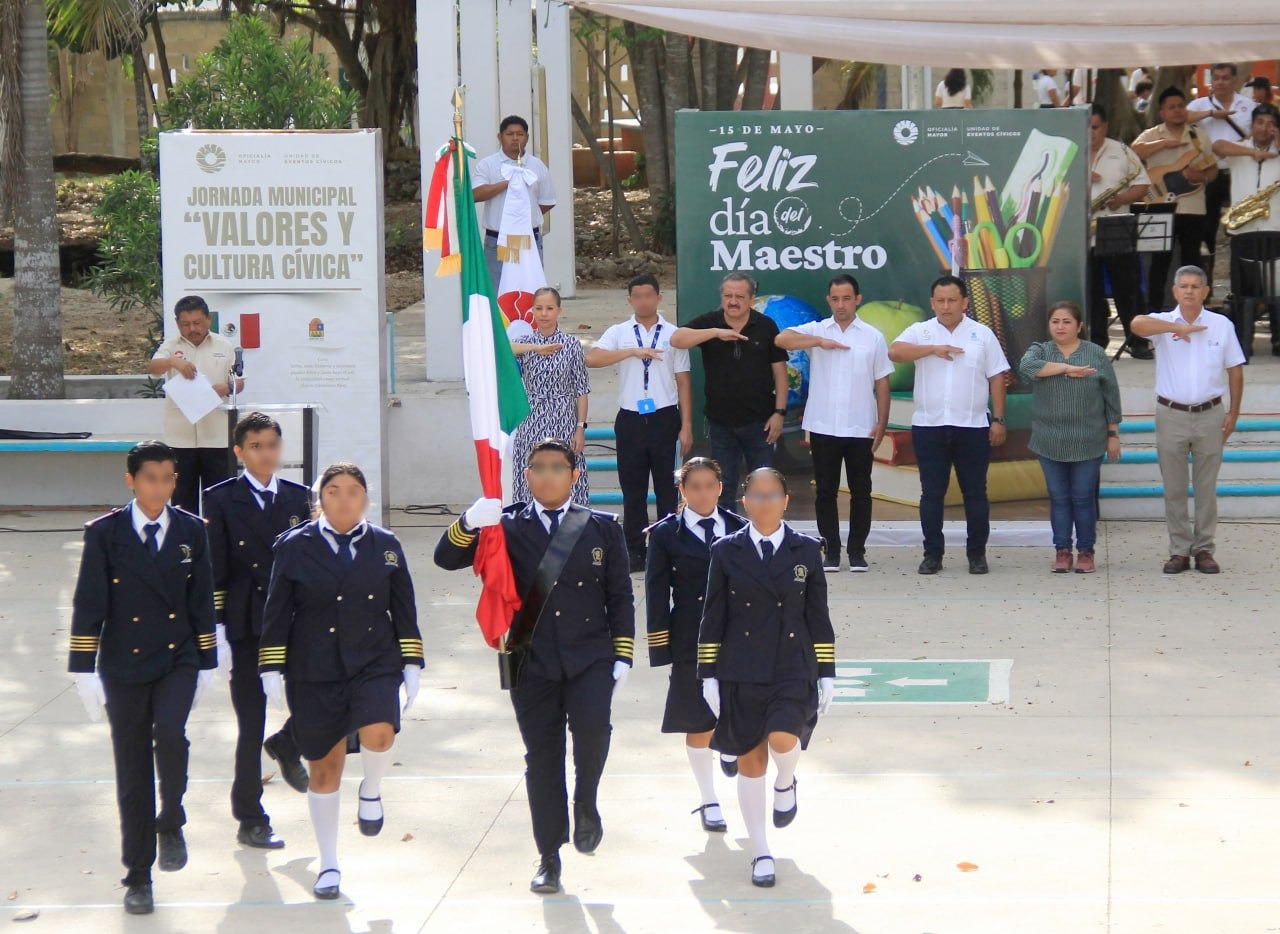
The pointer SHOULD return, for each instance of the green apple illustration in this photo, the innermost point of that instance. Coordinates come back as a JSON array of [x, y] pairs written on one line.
[[891, 319]]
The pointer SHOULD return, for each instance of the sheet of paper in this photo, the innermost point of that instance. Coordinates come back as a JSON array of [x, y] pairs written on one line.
[[195, 398]]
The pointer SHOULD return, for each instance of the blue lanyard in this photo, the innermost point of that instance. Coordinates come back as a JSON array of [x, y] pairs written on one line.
[[657, 332]]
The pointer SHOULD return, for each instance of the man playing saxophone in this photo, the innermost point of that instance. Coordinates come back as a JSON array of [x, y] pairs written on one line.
[[1118, 179], [1253, 219]]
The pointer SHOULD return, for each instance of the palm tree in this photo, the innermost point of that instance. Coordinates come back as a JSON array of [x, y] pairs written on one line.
[[27, 193]]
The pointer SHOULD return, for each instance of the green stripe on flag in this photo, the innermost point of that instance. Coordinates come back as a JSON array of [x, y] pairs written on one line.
[[513, 402]]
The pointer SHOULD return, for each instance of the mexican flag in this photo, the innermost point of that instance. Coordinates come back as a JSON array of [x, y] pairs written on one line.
[[495, 391]]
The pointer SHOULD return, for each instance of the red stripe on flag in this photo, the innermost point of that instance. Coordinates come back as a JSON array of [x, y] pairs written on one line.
[[499, 599]]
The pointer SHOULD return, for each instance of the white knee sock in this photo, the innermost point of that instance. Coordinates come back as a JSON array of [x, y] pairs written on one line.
[[324, 821], [751, 801], [700, 760], [785, 762], [376, 765]]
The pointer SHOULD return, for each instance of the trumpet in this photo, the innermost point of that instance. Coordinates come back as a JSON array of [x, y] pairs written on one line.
[[1256, 206]]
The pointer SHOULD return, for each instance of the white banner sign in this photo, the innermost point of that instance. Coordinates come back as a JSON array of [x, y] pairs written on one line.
[[282, 234]]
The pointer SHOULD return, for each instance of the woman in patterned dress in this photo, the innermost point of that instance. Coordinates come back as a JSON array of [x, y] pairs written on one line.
[[554, 370]]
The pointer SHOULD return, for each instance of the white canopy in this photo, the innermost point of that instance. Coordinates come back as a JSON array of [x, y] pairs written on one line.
[[976, 34]]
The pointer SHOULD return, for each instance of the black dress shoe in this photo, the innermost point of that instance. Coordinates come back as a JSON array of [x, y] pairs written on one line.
[[173, 850], [978, 564], [138, 900], [290, 762], [762, 881], [1141, 351], [729, 767], [587, 829], [327, 885], [260, 836], [783, 818], [710, 826], [931, 564], [547, 881], [371, 828]]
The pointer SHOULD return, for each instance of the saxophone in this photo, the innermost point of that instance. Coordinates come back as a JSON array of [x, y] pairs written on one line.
[[1256, 206], [1100, 202]]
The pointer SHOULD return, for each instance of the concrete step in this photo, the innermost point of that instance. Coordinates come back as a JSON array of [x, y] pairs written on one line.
[[1145, 500], [1261, 464]]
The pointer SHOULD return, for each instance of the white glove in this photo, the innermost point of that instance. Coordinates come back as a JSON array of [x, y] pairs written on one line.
[[89, 687], [711, 694], [412, 675], [483, 512], [273, 687], [621, 671], [204, 678], [224, 649], [826, 694]]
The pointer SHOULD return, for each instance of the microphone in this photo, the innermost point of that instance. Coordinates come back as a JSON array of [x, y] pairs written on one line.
[[238, 368]]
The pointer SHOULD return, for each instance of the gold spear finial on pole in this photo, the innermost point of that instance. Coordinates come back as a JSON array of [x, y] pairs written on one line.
[[457, 112]]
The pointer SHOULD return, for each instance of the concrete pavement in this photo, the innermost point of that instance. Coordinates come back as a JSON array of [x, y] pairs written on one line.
[[1129, 784]]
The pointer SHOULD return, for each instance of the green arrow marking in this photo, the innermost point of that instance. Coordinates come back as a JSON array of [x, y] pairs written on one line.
[[923, 681]]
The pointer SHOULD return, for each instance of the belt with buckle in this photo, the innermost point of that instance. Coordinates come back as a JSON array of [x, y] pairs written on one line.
[[1183, 407]]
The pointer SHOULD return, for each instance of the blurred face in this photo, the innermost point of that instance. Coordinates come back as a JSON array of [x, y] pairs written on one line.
[[1063, 327], [1097, 131], [194, 326], [261, 452], [1264, 130], [546, 313], [513, 140], [1190, 292], [765, 502], [343, 501], [153, 485], [550, 478], [843, 302], [949, 305], [701, 491], [1174, 111], [644, 300], [735, 298], [1223, 83], [1259, 95]]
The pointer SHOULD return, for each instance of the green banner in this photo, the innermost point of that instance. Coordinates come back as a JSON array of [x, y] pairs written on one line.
[[894, 198]]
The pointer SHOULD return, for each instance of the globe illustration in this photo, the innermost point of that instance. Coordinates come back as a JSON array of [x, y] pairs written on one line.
[[788, 311]]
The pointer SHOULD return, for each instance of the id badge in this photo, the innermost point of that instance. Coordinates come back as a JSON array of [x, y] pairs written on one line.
[[646, 407]]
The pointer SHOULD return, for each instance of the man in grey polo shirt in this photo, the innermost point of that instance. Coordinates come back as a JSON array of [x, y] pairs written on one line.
[[1198, 361]]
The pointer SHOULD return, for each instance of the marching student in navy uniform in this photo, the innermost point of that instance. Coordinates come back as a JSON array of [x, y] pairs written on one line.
[[143, 645], [339, 635], [765, 640], [675, 585], [578, 651], [245, 515]]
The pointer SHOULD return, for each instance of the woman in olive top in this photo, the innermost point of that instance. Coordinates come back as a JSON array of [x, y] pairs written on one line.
[[1075, 417]]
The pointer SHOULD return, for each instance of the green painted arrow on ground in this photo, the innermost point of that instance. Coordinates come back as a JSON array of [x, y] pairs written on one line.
[[923, 681]]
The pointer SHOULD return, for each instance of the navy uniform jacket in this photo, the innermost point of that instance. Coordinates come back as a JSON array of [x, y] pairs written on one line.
[[764, 625], [323, 624], [675, 583], [136, 617], [241, 534], [589, 615]]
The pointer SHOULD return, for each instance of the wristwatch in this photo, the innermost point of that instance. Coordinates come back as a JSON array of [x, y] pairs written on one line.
[[582, 424], [1113, 434], [782, 412], [998, 419]]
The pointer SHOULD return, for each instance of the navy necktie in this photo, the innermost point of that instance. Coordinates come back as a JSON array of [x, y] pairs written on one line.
[[766, 550], [153, 543], [267, 498], [708, 530], [553, 517], [344, 548]]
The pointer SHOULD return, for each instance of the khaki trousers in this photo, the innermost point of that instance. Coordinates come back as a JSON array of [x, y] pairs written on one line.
[[1200, 435]]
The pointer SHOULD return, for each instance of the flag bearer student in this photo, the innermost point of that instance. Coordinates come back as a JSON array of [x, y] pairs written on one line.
[[655, 408], [340, 630], [675, 588], [143, 645], [765, 649], [245, 516], [571, 570]]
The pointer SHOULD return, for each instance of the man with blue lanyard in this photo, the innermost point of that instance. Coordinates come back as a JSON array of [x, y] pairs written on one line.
[[655, 409]]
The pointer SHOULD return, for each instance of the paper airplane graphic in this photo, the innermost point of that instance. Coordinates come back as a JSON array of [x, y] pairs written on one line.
[[971, 158]]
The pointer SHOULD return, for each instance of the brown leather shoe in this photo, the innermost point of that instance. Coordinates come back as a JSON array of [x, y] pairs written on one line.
[[1062, 561], [1205, 563], [1177, 564], [1084, 563]]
